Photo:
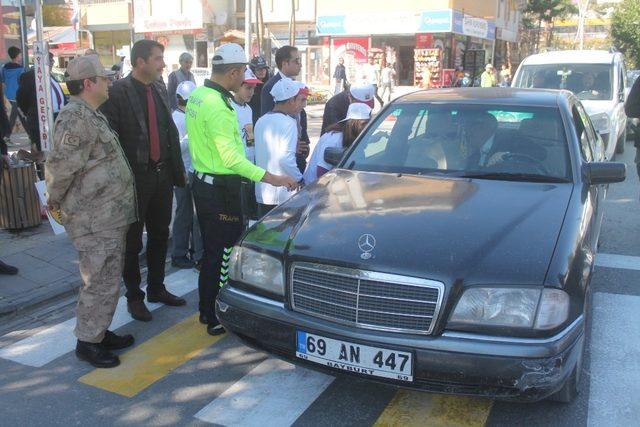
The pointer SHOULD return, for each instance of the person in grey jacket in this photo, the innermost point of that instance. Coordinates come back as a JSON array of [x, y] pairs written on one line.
[[180, 75], [632, 108]]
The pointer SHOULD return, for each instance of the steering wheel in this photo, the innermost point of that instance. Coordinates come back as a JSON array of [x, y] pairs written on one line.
[[534, 164], [591, 92]]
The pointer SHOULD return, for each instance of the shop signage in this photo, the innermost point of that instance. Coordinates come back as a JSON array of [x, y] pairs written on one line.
[[368, 23], [506, 35], [435, 21], [354, 51], [474, 27], [167, 17]]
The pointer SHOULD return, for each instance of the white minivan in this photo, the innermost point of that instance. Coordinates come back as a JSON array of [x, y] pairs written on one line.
[[597, 77]]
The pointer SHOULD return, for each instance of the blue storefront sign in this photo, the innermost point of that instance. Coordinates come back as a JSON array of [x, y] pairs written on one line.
[[330, 24], [435, 21], [475, 27]]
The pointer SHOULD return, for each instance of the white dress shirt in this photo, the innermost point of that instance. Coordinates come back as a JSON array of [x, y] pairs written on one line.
[[276, 138]]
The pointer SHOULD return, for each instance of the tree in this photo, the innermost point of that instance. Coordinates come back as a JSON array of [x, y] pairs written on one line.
[[545, 11], [56, 15], [625, 29]]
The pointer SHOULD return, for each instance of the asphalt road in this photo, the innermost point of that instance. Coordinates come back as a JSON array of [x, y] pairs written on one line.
[[178, 375]]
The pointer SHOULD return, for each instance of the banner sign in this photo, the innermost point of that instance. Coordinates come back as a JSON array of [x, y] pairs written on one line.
[[43, 93]]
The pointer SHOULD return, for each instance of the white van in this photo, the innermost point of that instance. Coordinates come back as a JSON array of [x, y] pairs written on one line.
[[597, 77]]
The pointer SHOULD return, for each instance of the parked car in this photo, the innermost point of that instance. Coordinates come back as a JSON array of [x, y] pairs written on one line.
[[450, 250], [597, 77]]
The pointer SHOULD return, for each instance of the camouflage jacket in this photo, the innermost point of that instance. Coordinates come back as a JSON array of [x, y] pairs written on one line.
[[87, 174]]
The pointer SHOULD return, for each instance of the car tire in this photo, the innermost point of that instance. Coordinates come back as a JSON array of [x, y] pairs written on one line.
[[620, 143]]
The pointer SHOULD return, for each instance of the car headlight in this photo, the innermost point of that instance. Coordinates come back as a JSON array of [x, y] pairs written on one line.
[[256, 269], [601, 122], [512, 307]]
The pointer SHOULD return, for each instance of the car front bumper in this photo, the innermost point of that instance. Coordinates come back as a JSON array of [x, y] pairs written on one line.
[[456, 363]]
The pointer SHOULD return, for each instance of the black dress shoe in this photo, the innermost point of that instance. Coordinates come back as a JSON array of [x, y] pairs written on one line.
[[7, 269], [96, 355], [139, 311], [166, 298], [215, 328], [182, 262], [204, 319], [112, 341]]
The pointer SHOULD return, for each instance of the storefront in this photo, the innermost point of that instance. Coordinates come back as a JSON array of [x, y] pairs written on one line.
[[422, 46]]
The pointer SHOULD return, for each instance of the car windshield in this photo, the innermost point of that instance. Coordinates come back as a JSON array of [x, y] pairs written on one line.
[[588, 81], [491, 142]]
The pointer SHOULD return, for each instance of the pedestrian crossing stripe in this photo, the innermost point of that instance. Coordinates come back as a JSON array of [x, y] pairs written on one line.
[[415, 408], [152, 360]]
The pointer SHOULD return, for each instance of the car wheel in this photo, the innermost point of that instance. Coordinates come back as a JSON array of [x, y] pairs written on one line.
[[620, 143]]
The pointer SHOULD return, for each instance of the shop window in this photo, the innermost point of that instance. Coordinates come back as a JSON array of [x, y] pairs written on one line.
[[240, 6], [202, 59]]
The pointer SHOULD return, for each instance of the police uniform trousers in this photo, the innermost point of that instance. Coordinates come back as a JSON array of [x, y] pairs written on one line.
[[101, 257], [218, 206]]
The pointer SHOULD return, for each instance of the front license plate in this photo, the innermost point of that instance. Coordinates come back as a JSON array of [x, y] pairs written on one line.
[[362, 359]]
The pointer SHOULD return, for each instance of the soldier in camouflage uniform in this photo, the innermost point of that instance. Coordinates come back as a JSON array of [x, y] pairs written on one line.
[[91, 184]]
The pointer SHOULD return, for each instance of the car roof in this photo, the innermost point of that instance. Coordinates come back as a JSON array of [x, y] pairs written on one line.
[[571, 57], [501, 96]]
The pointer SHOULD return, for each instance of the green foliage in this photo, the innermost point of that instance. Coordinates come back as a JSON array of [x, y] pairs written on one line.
[[548, 10], [625, 29], [56, 15]]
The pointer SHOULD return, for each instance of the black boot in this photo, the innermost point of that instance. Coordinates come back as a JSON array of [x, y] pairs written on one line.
[[96, 355], [215, 328], [112, 341], [139, 311], [7, 269]]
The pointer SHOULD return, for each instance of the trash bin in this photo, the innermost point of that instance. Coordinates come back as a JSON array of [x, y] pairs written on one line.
[[19, 204]]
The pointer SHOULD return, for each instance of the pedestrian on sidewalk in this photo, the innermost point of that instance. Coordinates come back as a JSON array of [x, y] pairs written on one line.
[[339, 135], [372, 76], [182, 74], [488, 77], [27, 100], [632, 108], [187, 241], [289, 65], [340, 76], [260, 68], [336, 108], [387, 78], [219, 161], [276, 139], [10, 77], [138, 111], [91, 184], [4, 162]]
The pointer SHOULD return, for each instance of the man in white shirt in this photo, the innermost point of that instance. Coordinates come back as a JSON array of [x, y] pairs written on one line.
[[187, 241], [371, 75], [240, 103], [276, 138]]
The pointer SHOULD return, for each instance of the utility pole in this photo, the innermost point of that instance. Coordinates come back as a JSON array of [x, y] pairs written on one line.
[[583, 8], [292, 24], [23, 35], [247, 29]]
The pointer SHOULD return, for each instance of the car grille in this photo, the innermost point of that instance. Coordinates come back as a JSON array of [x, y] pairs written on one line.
[[366, 299]]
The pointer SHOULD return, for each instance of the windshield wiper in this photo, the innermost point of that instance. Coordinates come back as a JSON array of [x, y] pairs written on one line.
[[514, 176]]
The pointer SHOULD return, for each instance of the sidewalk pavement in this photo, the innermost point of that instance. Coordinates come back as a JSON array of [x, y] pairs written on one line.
[[48, 263]]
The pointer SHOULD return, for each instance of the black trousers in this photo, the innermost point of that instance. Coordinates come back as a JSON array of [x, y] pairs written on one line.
[[218, 207], [154, 190]]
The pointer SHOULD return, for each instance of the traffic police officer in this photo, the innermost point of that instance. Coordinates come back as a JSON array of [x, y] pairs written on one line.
[[90, 187], [219, 160]]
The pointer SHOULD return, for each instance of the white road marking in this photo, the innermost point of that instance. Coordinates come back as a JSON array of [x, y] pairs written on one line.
[[618, 261], [274, 393], [57, 340], [615, 361]]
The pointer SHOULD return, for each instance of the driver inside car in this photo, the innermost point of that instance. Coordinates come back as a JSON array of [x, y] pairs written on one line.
[[589, 83], [479, 129]]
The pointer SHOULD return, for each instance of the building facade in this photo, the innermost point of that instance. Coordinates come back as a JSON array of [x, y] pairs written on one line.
[[419, 38]]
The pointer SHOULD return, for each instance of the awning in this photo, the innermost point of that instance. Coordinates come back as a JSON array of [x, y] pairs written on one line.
[[55, 35]]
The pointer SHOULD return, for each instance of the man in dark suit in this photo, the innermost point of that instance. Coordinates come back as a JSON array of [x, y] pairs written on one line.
[[27, 100], [138, 110], [289, 64]]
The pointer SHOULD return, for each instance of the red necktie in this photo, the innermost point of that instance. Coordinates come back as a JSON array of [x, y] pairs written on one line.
[[154, 138]]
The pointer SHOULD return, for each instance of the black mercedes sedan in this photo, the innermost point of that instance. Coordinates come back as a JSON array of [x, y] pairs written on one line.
[[450, 249]]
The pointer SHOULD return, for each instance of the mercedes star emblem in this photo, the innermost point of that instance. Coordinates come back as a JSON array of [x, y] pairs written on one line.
[[366, 243]]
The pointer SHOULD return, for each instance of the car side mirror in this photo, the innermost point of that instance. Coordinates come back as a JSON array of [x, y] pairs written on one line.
[[333, 155], [604, 173]]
